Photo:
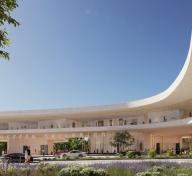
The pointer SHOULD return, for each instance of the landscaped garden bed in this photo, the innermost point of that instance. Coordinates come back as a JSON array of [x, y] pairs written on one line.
[[113, 169], [124, 156]]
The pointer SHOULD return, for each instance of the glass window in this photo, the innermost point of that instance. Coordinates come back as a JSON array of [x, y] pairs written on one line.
[[44, 149], [73, 124], [134, 122], [100, 123], [120, 122], [110, 122]]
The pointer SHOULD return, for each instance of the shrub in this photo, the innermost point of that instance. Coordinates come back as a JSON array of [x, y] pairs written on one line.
[[87, 171], [100, 172], [131, 154], [190, 154], [66, 158], [152, 153], [170, 153], [121, 155], [154, 171], [75, 170], [148, 173], [157, 169], [46, 170]]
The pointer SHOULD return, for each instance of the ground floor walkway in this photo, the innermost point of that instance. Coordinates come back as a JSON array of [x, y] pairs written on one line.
[[159, 138]]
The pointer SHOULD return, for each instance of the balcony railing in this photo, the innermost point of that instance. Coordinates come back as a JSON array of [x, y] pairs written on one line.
[[103, 128]]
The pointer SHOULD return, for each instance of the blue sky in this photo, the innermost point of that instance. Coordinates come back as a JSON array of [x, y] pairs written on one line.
[[71, 53]]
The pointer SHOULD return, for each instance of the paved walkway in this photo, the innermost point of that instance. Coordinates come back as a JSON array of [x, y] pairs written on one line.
[[131, 164], [95, 162]]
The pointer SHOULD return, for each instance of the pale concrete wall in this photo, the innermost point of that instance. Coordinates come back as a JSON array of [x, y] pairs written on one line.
[[166, 142], [15, 144], [102, 141], [99, 141]]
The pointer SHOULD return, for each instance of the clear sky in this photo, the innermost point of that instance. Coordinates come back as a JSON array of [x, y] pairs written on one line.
[[71, 53]]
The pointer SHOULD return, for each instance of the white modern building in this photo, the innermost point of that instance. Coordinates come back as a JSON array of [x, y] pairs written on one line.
[[160, 122]]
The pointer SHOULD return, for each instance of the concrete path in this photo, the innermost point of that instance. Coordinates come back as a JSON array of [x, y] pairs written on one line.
[[95, 162]]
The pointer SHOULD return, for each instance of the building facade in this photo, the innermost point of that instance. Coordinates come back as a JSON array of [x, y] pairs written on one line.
[[160, 122]]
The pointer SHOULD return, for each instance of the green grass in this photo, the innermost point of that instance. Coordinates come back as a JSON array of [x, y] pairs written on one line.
[[120, 172], [154, 171]]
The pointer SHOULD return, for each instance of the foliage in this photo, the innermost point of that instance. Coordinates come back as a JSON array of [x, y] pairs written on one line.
[[121, 155], [41, 170], [190, 154], [187, 143], [75, 170], [152, 153], [61, 146], [3, 147], [72, 144], [121, 140], [132, 154], [148, 174], [165, 171], [6, 7], [120, 172], [114, 170], [170, 153], [77, 143], [157, 169], [46, 170], [154, 171]]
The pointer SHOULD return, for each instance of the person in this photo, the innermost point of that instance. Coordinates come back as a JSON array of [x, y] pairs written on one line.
[[149, 120], [26, 156], [29, 151]]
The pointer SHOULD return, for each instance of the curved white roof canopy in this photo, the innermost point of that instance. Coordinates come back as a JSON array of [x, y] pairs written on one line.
[[179, 92]]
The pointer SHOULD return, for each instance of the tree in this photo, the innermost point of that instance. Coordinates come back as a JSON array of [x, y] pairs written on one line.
[[72, 144], [121, 140], [61, 146], [6, 7], [78, 144], [3, 147]]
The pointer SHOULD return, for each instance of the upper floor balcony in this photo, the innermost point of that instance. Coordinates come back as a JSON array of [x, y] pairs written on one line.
[[186, 122], [99, 125]]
